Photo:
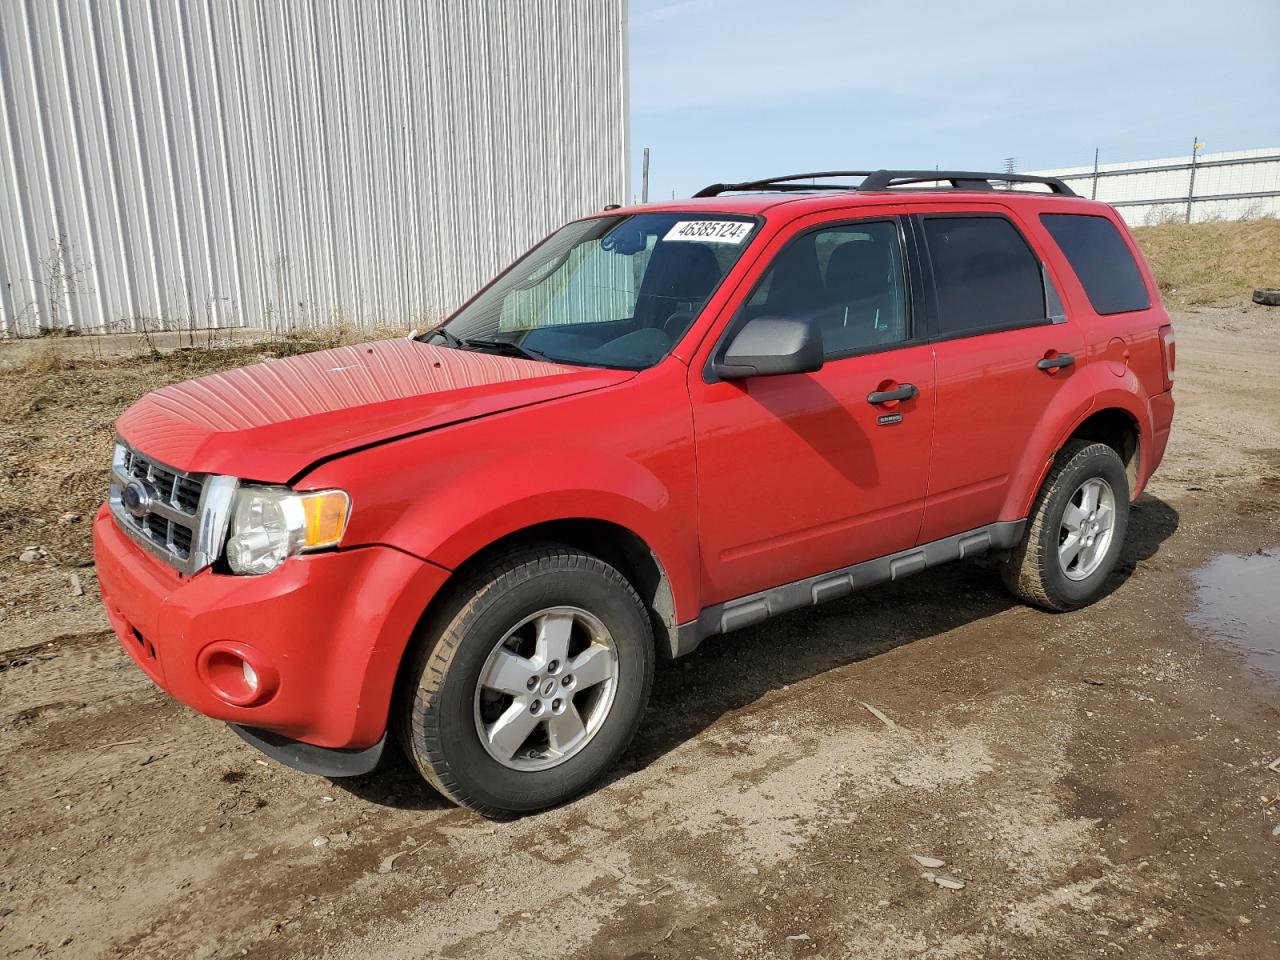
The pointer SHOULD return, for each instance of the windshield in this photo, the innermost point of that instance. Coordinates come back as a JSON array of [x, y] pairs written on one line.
[[613, 291]]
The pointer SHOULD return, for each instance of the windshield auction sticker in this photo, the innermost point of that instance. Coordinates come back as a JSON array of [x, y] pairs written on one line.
[[710, 231]]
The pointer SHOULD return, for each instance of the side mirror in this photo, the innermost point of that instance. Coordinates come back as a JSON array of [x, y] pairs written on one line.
[[771, 346]]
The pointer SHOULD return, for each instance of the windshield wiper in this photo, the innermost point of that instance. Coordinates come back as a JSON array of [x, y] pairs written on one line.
[[449, 338], [505, 346], [480, 343]]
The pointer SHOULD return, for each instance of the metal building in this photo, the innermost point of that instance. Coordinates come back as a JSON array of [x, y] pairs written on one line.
[[287, 164], [1234, 185]]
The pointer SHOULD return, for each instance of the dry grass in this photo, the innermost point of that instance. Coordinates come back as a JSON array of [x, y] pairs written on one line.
[[1223, 261]]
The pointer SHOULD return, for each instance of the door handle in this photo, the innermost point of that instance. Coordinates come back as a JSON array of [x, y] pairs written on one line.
[[1053, 363], [904, 392]]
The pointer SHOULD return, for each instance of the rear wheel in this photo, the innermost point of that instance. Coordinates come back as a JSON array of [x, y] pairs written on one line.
[[1075, 532], [530, 683]]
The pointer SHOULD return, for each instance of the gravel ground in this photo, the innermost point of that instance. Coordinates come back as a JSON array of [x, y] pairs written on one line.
[[1097, 780]]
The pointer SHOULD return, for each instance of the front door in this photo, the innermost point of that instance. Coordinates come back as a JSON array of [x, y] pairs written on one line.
[[804, 473]]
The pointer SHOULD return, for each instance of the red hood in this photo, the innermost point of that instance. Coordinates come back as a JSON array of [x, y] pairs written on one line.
[[269, 422]]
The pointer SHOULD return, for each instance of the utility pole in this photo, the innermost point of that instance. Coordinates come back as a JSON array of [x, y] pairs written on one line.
[[644, 178], [1094, 194], [1191, 181]]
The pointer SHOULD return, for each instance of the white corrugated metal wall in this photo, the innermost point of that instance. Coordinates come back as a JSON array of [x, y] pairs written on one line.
[[286, 163], [1246, 184]]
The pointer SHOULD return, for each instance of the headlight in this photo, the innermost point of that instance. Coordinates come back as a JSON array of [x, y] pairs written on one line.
[[270, 524]]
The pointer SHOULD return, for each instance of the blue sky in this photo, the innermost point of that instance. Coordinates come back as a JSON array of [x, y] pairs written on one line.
[[724, 90]]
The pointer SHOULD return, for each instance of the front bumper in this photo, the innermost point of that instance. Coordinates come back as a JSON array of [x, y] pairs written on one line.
[[325, 761], [325, 633]]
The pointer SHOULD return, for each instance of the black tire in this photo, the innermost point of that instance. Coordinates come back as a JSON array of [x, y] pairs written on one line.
[[1033, 570], [1267, 296], [436, 713]]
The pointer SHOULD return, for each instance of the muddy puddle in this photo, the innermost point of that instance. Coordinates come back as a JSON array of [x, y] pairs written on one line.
[[1238, 605]]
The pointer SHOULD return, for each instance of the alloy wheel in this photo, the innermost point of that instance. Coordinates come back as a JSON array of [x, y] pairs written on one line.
[[1088, 524], [546, 688]]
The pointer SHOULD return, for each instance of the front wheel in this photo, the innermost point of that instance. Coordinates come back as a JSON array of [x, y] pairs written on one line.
[[1075, 532], [530, 683]]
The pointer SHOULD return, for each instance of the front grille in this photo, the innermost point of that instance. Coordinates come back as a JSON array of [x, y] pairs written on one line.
[[186, 493], [180, 517]]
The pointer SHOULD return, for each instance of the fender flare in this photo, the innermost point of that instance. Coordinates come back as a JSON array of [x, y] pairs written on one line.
[[1094, 389], [516, 492]]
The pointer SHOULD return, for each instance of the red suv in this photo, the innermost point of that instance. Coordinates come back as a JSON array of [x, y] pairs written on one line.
[[662, 423]]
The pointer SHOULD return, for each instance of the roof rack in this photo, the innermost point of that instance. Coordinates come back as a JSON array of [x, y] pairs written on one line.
[[874, 180], [784, 183]]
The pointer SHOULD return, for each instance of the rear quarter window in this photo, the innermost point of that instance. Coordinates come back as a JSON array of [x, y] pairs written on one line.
[[1101, 259]]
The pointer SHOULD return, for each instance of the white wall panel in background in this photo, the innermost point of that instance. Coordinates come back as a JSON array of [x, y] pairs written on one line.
[[287, 163]]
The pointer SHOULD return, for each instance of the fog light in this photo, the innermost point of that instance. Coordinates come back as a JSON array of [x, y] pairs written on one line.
[[250, 676], [237, 674]]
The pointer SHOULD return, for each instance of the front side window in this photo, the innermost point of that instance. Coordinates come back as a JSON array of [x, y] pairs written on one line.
[[1101, 259], [612, 291], [848, 278], [985, 275]]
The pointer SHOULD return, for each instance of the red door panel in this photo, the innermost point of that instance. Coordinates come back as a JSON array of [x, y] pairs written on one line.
[[991, 396], [797, 475]]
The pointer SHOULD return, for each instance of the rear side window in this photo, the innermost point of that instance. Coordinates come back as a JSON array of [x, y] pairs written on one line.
[[985, 275], [1101, 259]]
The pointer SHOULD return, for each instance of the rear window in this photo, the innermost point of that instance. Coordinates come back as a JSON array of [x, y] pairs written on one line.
[[1101, 259], [985, 275]]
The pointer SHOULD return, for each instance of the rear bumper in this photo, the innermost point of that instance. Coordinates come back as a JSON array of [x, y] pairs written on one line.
[[1161, 407], [324, 633]]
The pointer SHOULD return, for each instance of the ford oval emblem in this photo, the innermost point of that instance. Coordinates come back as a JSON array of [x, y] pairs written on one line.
[[137, 498]]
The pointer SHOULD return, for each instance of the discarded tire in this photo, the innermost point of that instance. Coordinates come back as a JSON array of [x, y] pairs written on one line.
[[1267, 296]]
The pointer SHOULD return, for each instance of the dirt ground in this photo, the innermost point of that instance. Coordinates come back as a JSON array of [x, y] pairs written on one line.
[[1098, 779]]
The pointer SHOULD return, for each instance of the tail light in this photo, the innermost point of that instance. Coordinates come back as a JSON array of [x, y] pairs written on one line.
[[1169, 354]]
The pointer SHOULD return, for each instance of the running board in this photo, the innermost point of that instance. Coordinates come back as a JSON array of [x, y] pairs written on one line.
[[757, 607]]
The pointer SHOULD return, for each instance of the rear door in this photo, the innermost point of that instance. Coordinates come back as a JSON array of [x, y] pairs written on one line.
[[804, 473], [1003, 350]]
